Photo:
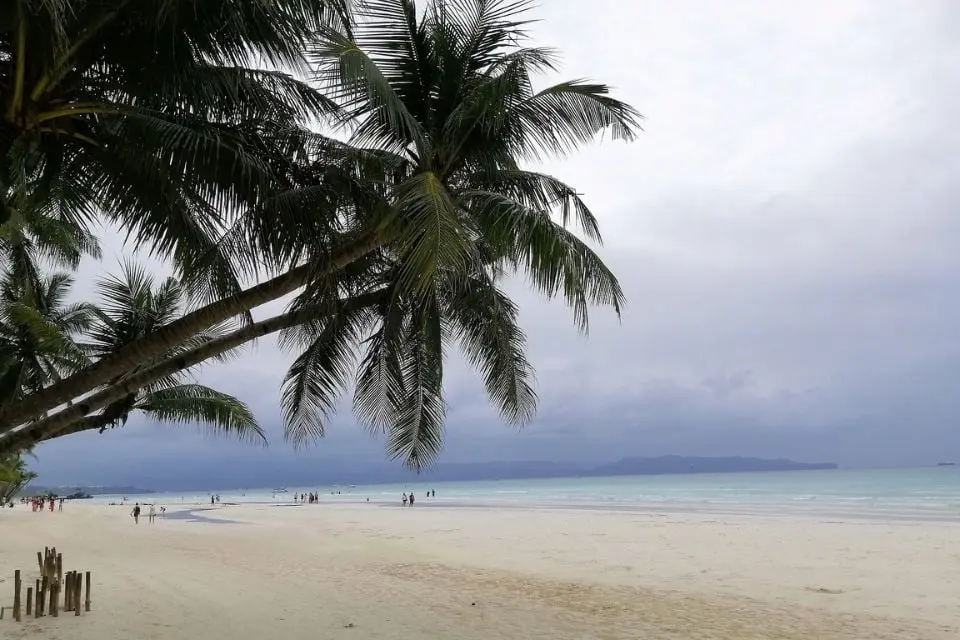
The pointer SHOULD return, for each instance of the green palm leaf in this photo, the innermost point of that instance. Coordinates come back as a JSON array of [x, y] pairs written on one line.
[[318, 376], [220, 414], [416, 434], [484, 320]]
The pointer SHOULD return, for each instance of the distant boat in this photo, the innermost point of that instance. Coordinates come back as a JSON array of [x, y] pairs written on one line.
[[946, 464], [280, 490]]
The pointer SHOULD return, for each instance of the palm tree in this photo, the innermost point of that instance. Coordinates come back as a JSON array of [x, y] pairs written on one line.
[[131, 306], [449, 96], [14, 476], [159, 115], [445, 117], [37, 330], [162, 116]]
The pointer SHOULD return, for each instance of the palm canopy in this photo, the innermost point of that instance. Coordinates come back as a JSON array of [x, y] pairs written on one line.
[[131, 306], [38, 326], [14, 476], [445, 113], [162, 115], [426, 206]]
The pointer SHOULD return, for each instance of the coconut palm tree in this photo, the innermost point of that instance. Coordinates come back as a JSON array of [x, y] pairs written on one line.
[[131, 306], [159, 115], [434, 204], [14, 476], [162, 116], [449, 96], [38, 326]]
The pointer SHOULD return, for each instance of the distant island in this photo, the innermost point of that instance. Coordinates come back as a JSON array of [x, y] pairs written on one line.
[[683, 464], [632, 466]]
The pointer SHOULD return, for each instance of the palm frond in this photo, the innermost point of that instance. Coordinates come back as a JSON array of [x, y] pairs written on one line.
[[316, 379], [484, 320], [218, 413], [416, 434], [380, 386], [565, 116]]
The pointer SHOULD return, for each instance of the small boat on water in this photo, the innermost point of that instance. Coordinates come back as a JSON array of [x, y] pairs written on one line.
[[946, 464], [280, 490]]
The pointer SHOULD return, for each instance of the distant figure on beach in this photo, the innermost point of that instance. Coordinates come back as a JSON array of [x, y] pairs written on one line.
[[163, 511], [136, 513], [404, 499], [211, 500], [60, 508], [151, 514], [411, 499]]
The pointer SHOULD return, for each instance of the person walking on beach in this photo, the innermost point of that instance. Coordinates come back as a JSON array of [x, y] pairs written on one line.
[[151, 514], [404, 499], [411, 499], [136, 513], [60, 508]]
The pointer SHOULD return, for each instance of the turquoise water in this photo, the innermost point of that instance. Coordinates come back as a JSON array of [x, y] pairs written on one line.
[[896, 494]]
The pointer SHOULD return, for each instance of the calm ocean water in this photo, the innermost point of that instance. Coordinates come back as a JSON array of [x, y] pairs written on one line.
[[930, 494]]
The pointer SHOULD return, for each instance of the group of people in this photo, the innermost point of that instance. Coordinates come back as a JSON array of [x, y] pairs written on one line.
[[408, 500], [151, 514], [310, 498], [40, 502]]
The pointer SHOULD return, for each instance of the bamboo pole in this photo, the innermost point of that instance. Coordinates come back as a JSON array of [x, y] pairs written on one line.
[[77, 586], [68, 591], [54, 598], [40, 561], [16, 595], [42, 600], [36, 609], [60, 568], [29, 600], [87, 605]]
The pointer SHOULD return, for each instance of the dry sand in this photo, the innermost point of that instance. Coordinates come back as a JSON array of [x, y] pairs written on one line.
[[359, 572]]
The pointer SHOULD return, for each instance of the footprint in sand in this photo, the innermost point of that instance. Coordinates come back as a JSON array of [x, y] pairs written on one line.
[[824, 590]]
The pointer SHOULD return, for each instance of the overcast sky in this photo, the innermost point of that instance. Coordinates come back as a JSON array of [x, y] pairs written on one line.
[[785, 229]]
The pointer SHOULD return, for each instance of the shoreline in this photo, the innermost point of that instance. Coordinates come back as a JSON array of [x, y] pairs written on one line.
[[831, 513], [489, 574]]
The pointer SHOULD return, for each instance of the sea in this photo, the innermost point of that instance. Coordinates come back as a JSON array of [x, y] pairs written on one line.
[[904, 495]]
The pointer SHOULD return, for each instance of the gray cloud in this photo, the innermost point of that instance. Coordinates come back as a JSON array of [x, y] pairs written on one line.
[[786, 232]]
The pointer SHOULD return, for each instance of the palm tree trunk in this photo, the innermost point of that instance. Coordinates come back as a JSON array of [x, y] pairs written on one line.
[[24, 439], [62, 422], [157, 343]]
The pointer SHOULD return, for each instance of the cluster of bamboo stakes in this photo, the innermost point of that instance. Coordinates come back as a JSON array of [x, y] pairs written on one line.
[[49, 587]]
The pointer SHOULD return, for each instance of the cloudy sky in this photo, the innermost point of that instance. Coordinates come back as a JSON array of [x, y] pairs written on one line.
[[785, 230]]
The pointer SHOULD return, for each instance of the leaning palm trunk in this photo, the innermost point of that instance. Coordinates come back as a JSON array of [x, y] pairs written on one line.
[[159, 342], [24, 439], [72, 418]]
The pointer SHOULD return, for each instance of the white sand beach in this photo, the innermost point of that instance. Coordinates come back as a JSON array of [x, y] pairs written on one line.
[[335, 571]]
